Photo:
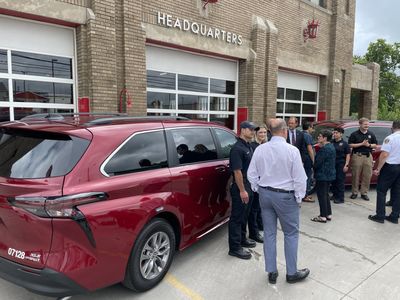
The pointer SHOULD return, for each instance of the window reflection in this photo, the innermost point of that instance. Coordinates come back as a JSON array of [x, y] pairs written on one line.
[[21, 112], [41, 65], [309, 109], [4, 114], [42, 92], [192, 102], [222, 104], [225, 120], [219, 86], [201, 117], [309, 96], [4, 90], [292, 108], [3, 61], [192, 83], [279, 107], [160, 100], [161, 80], [293, 94]]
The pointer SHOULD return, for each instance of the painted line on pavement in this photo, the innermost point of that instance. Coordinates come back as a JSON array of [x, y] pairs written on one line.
[[184, 289]]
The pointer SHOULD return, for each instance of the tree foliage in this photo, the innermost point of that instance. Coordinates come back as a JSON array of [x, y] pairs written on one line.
[[388, 57]]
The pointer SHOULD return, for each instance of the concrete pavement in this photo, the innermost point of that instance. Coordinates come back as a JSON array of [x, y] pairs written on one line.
[[349, 258]]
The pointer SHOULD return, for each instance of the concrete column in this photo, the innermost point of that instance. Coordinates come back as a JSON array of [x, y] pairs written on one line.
[[371, 99]]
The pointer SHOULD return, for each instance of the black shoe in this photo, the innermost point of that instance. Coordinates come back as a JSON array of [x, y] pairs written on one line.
[[365, 197], [258, 238], [241, 253], [298, 276], [338, 202], [272, 276], [389, 203], [353, 196], [392, 219], [375, 218], [332, 198], [248, 243]]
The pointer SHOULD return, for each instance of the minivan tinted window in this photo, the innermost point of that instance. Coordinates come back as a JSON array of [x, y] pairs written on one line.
[[34, 154], [142, 152]]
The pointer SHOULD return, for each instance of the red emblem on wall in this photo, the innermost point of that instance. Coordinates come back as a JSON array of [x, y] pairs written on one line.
[[312, 30], [207, 2]]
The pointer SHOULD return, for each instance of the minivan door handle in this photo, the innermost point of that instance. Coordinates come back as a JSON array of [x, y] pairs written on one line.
[[220, 169]]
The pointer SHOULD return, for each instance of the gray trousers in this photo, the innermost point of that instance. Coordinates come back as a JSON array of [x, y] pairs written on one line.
[[282, 206]]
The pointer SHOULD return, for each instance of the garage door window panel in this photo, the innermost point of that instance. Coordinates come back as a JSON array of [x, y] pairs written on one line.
[[160, 100], [192, 83], [3, 61], [42, 92], [218, 86], [161, 80], [4, 90]]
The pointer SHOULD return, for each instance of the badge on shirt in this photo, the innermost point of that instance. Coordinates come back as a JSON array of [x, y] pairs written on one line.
[[340, 144], [369, 136], [386, 140]]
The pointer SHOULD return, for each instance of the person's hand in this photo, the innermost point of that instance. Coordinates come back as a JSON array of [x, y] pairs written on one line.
[[345, 168], [376, 172], [365, 143], [245, 197]]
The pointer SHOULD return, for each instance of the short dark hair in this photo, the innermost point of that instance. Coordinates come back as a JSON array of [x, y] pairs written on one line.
[[339, 129], [307, 125], [396, 124], [326, 133]]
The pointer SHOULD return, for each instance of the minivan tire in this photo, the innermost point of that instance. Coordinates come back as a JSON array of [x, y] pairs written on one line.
[[150, 257]]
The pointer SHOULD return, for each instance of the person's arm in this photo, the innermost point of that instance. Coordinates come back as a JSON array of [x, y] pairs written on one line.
[[310, 151], [253, 173], [346, 164], [382, 160], [239, 182], [374, 141], [299, 177], [353, 144]]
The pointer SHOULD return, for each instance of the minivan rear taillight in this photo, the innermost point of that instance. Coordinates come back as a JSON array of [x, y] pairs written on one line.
[[56, 207], [60, 207]]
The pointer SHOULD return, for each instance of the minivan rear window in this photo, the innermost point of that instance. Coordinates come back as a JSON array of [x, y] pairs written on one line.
[[34, 154]]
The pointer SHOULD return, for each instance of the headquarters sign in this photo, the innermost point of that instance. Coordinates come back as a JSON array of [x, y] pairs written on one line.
[[199, 29]]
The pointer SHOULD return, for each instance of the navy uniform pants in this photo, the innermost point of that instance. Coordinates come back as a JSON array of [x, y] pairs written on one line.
[[239, 214], [337, 187], [389, 178]]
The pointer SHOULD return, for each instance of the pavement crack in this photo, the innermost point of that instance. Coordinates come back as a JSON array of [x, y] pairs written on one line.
[[343, 247]]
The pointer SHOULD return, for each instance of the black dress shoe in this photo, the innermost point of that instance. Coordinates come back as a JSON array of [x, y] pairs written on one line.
[[337, 201], [298, 276], [365, 197], [248, 243], [272, 276], [353, 196], [389, 203], [375, 218], [240, 253], [332, 198], [392, 219], [258, 238]]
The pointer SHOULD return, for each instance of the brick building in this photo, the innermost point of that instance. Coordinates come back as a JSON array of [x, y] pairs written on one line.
[[221, 61]]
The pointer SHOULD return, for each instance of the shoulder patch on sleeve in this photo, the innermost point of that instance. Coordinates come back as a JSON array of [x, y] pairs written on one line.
[[387, 140]]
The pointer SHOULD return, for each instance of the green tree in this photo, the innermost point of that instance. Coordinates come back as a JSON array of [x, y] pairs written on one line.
[[388, 57]]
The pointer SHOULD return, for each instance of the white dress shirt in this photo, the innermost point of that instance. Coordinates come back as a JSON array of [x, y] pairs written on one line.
[[391, 145], [278, 164]]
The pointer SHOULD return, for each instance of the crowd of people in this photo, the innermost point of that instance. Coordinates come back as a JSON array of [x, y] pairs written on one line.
[[273, 169]]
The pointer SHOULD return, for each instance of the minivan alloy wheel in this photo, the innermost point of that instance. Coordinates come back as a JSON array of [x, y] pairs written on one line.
[[155, 255]]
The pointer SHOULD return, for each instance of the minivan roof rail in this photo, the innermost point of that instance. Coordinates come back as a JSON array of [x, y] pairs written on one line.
[[102, 121], [60, 116]]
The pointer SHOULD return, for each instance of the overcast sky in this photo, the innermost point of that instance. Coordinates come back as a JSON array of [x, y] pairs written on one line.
[[376, 19]]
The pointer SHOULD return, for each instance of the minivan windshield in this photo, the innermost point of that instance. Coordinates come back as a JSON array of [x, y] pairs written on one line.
[[34, 154]]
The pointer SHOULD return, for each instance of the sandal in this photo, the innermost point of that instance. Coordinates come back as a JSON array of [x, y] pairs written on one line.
[[308, 199], [318, 219]]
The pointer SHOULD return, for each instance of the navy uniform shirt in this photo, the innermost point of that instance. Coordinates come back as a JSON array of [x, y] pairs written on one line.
[[358, 137], [342, 149], [240, 157]]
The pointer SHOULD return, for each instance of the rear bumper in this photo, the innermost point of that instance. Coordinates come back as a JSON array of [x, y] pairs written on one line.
[[40, 281]]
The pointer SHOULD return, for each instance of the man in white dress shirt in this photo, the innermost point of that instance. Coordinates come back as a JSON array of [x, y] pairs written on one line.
[[276, 172]]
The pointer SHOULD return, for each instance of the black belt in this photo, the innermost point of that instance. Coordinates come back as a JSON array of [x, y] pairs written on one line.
[[279, 190], [361, 153]]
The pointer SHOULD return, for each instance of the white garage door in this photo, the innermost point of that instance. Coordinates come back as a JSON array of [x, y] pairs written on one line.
[[194, 86], [297, 96], [36, 68]]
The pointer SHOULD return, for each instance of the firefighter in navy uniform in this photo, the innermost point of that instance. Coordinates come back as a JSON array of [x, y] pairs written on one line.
[[388, 171], [341, 164], [241, 192], [362, 142]]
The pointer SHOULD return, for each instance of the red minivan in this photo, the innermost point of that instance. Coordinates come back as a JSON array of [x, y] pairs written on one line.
[[87, 202], [381, 129]]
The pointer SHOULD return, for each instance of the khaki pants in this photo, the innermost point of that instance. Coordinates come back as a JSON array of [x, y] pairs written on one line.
[[361, 166]]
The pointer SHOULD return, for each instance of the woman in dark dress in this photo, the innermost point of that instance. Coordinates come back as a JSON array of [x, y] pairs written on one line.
[[324, 173], [255, 221]]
